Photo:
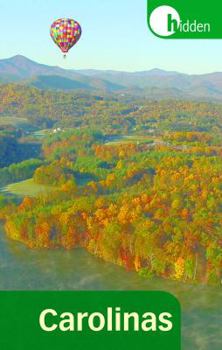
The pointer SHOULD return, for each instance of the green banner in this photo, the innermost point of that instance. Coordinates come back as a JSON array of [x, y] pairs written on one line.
[[89, 320], [190, 19]]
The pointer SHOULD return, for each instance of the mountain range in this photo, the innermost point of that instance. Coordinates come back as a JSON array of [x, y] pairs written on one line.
[[155, 83]]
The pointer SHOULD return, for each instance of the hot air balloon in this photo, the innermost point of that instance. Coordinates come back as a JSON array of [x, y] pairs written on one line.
[[65, 32]]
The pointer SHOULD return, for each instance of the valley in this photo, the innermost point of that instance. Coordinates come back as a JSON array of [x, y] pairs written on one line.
[[112, 180]]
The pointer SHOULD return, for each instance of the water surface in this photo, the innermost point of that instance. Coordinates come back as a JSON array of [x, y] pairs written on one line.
[[24, 269]]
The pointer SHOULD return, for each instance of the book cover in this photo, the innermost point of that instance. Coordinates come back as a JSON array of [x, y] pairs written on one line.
[[111, 174]]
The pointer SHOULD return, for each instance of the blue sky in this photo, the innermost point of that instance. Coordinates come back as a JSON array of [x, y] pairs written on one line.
[[115, 36]]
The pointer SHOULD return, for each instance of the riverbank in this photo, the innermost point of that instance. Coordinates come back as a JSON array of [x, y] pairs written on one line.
[[25, 269]]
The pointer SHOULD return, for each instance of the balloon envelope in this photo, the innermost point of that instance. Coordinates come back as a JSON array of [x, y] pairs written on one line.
[[65, 32]]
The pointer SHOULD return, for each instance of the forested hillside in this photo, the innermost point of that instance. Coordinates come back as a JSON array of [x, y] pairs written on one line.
[[135, 181], [114, 114], [14, 148], [150, 203]]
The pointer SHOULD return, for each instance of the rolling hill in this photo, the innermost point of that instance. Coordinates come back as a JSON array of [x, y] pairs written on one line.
[[155, 83]]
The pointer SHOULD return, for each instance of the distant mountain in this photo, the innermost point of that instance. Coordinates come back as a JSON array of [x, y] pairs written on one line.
[[45, 82], [22, 69], [58, 82], [155, 83], [160, 79]]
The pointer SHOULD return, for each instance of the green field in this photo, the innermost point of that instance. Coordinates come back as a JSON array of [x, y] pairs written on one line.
[[13, 121], [130, 139], [42, 133], [27, 188]]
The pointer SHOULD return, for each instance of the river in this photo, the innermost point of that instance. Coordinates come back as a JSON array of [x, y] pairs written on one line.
[[24, 269]]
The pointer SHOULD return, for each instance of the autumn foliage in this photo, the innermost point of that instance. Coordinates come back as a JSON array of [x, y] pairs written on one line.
[[153, 208]]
